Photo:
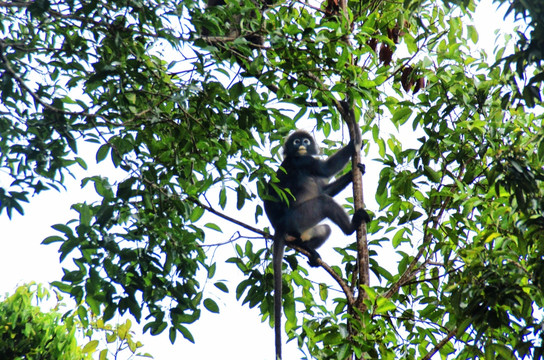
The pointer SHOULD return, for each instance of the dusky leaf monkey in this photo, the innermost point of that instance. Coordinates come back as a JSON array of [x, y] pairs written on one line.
[[306, 200]]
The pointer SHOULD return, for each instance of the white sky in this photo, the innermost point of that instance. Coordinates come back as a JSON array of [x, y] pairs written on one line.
[[235, 333]]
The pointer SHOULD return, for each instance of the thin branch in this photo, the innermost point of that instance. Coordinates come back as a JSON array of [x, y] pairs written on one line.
[[344, 285], [230, 219], [25, 87], [328, 269], [16, 4], [440, 345], [427, 238]]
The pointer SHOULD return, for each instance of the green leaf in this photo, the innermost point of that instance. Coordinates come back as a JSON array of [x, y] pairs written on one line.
[[384, 305], [102, 152], [52, 239], [90, 347], [472, 34], [221, 286], [211, 305], [103, 354], [213, 227], [401, 116], [223, 198], [323, 291], [197, 214]]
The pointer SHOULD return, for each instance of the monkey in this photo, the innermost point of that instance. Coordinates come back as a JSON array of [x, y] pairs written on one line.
[[296, 213]]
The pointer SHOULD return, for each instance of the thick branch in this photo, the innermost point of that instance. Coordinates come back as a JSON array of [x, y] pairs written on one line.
[[362, 247]]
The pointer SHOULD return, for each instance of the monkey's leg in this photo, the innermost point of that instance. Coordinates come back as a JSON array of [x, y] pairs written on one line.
[[316, 235], [301, 227], [338, 215], [302, 217], [312, 239]]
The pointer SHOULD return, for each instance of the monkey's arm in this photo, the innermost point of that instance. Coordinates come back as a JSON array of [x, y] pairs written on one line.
[[335, 163], [340, 184]]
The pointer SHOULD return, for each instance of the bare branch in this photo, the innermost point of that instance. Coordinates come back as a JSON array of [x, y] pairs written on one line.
[[344, 285], [230, 219], [440, 345], [19, 4]]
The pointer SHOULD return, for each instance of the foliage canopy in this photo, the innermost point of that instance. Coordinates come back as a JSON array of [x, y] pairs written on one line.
[[28, 333], [194, 123]]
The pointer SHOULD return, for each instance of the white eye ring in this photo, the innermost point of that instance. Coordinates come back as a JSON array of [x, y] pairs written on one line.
[[296, 142], [306, 142]]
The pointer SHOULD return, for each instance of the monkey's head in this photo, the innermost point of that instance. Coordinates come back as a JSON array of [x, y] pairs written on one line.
[[300, 143]]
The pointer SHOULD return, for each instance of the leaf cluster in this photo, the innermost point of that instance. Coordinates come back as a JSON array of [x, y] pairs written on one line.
[[190, 104]]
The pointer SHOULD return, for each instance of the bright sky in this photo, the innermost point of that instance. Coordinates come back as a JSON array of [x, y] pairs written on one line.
[[235, 333]]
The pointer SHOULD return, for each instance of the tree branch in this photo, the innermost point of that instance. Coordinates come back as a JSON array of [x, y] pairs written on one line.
[[324, 265], [440, 345], [344, 285], [24, 87], [230, 219], [16, 4], [348, 116]]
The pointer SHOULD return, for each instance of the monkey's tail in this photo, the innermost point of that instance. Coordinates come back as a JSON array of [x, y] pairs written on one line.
[[277, 260]]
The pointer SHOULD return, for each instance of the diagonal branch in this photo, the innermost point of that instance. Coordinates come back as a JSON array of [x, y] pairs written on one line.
[[440, 345], [328, 269], [230, 219]]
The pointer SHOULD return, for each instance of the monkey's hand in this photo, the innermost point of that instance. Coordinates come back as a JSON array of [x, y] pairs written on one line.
[[359, 217], [362, 168]]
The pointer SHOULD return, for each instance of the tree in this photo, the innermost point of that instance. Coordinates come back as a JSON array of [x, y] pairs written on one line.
[[28, 333], [187, 101]]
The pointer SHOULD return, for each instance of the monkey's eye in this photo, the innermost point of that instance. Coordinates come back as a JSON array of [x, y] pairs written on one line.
[[306, 142], [296, 142]]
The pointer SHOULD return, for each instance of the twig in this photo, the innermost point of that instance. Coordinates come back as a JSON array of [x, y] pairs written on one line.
[[231, 219], [440, 345], [35, 96], [335, 276]]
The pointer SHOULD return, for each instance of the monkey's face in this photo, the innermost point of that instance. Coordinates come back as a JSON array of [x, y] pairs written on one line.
[[300, 143], [302, 146]]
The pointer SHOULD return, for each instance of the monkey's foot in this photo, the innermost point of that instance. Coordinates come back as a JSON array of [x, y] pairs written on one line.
[[314, 257]]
